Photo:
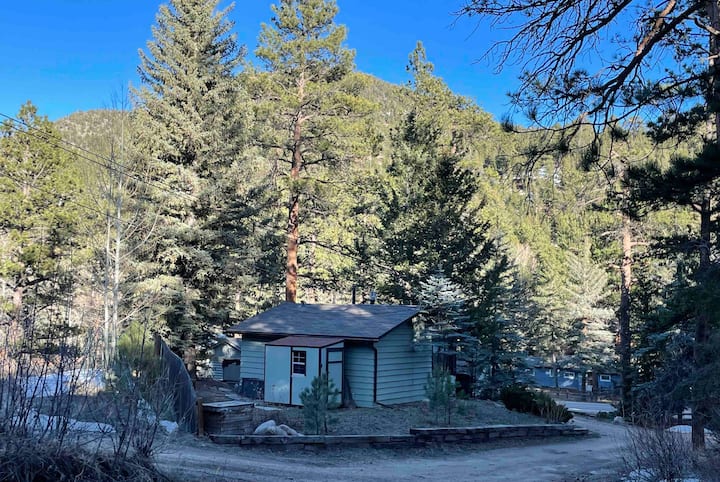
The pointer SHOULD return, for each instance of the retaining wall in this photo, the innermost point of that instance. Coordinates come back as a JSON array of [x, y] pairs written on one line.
[[417, 437]]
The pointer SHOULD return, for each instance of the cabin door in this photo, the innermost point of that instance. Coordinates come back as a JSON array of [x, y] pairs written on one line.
[[335, 368]]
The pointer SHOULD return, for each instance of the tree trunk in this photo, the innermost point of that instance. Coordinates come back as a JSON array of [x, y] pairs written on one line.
[[116, 271], [702, 327], [624, 343], [701, 410], [106, 293], [293, 227]]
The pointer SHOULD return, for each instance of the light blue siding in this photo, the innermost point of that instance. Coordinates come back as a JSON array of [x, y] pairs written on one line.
[[277, 374], [566, 378], [222, 351], [252, 359], [312, 366], [402, 368], [360, 374]]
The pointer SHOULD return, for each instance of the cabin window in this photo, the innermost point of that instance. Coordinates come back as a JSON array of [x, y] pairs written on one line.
[[569, 375], [604, 378], [299, 362]]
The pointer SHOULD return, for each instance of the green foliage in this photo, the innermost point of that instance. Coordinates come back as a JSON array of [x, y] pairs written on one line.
[[136, 349], [518, 398], [39, 216], [549, 409], [440, 391], [191, 120], [521, 399], [311, 118], [441, 302], [317, 399]]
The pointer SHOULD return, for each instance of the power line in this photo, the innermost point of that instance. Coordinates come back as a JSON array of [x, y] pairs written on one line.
[[71, 201], [120, 169]]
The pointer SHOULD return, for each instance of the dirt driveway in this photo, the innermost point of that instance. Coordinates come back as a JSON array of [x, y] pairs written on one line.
[[595, 458]]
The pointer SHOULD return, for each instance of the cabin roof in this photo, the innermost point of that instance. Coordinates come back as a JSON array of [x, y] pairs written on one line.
[[360, 322]]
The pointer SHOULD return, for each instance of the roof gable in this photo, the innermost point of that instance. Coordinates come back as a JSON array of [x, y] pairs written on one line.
[[344, 321]]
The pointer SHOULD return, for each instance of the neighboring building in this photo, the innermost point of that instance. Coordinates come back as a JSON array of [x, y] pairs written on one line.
[[546, 375], [225, 361], [366, 350]]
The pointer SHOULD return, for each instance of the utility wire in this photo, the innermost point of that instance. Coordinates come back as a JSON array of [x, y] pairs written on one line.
[[112, 164], [71, 201]]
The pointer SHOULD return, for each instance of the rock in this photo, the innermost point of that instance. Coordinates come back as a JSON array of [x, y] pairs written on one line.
[[265, 427], [275, 430], [168, 426], [289, 431], [619, 420]]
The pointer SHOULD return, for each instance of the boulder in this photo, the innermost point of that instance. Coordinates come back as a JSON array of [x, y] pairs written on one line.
[[619, 420], [289, 431], [265, 427]]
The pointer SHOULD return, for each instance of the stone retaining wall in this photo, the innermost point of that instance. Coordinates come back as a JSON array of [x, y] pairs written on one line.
[[417, 437]]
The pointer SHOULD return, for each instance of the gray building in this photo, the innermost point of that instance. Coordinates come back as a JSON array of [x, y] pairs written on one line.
[[225, 360], [367, 350]]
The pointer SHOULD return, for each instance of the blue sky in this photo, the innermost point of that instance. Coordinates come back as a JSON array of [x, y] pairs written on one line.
[[70, 55]]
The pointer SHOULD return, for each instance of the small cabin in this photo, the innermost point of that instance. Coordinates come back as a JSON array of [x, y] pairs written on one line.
[[366, 350]]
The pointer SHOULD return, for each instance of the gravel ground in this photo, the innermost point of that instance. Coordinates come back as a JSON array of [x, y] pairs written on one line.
[[596, 458], [400, 418], [395, 420]]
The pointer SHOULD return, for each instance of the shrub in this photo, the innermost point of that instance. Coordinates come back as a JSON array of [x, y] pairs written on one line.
[[550, 410], [521, 399], [317, 399], [518, 398], [440, 391], [656, 454]]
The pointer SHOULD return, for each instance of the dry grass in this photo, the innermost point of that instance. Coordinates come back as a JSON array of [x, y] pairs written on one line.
[[28, 460]]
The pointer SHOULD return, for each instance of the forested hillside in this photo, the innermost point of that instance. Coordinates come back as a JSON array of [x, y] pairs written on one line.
[[225, 186]]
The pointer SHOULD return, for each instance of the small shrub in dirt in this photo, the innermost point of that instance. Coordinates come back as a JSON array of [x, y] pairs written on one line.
[[440, 391], [518, 397], [521, 399], [318, 399], [550, 410]]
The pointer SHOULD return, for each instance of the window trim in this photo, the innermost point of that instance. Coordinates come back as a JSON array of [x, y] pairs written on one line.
[[605, 378], [569, 375], [298, 361]]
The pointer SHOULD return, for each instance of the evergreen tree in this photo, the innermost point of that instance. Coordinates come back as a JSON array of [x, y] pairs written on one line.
[[592, 341], [309, 107], [431, 212], [440, 320], [40, 197], [558, 87], [191, 122]]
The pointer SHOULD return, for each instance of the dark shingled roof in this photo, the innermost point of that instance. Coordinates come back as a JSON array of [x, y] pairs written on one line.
[[306, 341], [368, 322]]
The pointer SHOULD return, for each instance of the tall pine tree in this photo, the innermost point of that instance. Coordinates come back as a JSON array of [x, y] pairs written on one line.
[[309, 110], [431, 208]]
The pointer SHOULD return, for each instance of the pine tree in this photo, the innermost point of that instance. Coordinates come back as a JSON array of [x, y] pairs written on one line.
[[39, 218], [309, 108], [192, 124], [431, 208], [591, 339], [559, 87], [442, 305]]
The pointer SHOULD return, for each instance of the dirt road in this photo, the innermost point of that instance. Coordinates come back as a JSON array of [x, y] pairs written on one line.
[[595, 458]]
